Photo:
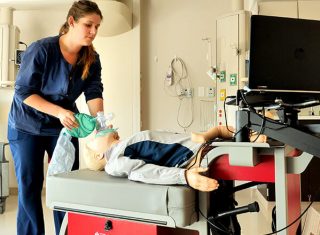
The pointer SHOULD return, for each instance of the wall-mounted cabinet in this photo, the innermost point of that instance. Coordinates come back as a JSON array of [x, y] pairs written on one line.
[[35, 4], [232, 46], [304, 9]]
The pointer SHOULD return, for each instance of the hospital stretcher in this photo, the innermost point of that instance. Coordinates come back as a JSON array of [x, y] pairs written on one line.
[[99, 204]]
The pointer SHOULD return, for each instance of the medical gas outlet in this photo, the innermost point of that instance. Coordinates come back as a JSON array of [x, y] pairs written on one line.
[[187, 92]]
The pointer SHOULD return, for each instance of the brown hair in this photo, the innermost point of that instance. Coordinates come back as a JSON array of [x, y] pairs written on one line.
[[78, 10]]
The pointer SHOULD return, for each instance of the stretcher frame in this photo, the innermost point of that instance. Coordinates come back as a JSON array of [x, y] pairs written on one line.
[[242, 155]]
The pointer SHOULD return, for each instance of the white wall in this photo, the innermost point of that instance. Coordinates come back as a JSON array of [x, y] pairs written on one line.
[[176, 28]]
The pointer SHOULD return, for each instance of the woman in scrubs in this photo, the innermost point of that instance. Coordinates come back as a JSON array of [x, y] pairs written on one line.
[[54, 72]]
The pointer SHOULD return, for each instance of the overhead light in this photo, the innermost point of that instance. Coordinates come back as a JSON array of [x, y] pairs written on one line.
[[117, 18]]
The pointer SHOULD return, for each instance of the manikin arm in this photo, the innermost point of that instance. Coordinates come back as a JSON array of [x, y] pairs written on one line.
[[214, 132], [137, 170]]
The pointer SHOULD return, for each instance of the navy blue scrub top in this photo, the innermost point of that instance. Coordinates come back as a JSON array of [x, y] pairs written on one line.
[[45, 72]]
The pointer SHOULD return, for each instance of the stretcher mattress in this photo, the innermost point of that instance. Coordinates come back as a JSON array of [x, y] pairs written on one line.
[[97, 193]]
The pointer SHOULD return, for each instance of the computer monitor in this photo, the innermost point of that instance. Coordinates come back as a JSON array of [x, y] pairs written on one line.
[[285, 58]]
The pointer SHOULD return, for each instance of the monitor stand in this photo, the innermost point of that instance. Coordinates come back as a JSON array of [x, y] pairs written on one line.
[[288, 116], [288, 129]]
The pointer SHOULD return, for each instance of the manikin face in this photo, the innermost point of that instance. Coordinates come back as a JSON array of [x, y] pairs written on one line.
[[85, 29], [102, 143], [111, 138]]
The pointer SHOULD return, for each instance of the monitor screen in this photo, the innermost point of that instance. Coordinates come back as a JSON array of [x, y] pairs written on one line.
[[284, 55]]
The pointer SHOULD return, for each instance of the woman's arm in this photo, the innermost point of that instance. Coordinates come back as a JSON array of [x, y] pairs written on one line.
[[65, 116], [95, 106]]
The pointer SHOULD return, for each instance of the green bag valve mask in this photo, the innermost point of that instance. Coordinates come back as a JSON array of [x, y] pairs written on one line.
[[87, 125], [106, 131]]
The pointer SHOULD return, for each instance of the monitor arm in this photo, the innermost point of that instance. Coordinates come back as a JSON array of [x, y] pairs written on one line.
[[288, 130]]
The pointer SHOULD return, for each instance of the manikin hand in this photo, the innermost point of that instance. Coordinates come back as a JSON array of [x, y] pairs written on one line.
[[200, 182]]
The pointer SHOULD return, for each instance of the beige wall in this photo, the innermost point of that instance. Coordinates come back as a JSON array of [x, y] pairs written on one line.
[[120, 64], [32, 26], [170, 28], [176, 28]]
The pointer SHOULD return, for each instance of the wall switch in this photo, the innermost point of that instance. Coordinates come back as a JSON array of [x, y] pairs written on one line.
[[201, 91]]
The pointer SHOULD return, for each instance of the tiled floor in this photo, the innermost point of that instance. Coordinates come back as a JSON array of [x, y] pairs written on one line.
[[251, 223], [8, 218]]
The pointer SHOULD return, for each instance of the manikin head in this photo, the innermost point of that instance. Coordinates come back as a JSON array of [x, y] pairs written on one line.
[[94, 152]]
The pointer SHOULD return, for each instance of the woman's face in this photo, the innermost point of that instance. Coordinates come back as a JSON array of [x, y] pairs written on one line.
[[85, 29]]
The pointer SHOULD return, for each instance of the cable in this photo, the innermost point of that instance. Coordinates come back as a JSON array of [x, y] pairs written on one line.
[[178, 77], [293, 222], [224, 230], [197, 154], [260, 132], [262, 126], [178, 114], [246, 102], [299, 217], [22, 43], [252, 109]]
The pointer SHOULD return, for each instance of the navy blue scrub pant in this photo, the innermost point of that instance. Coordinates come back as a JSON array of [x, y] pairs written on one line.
[[28, 154]]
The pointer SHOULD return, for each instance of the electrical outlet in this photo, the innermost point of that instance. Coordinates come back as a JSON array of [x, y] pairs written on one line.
[[211, 91], [187, 92]]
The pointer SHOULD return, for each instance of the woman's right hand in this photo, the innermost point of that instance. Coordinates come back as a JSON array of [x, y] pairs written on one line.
[[67, 119]]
